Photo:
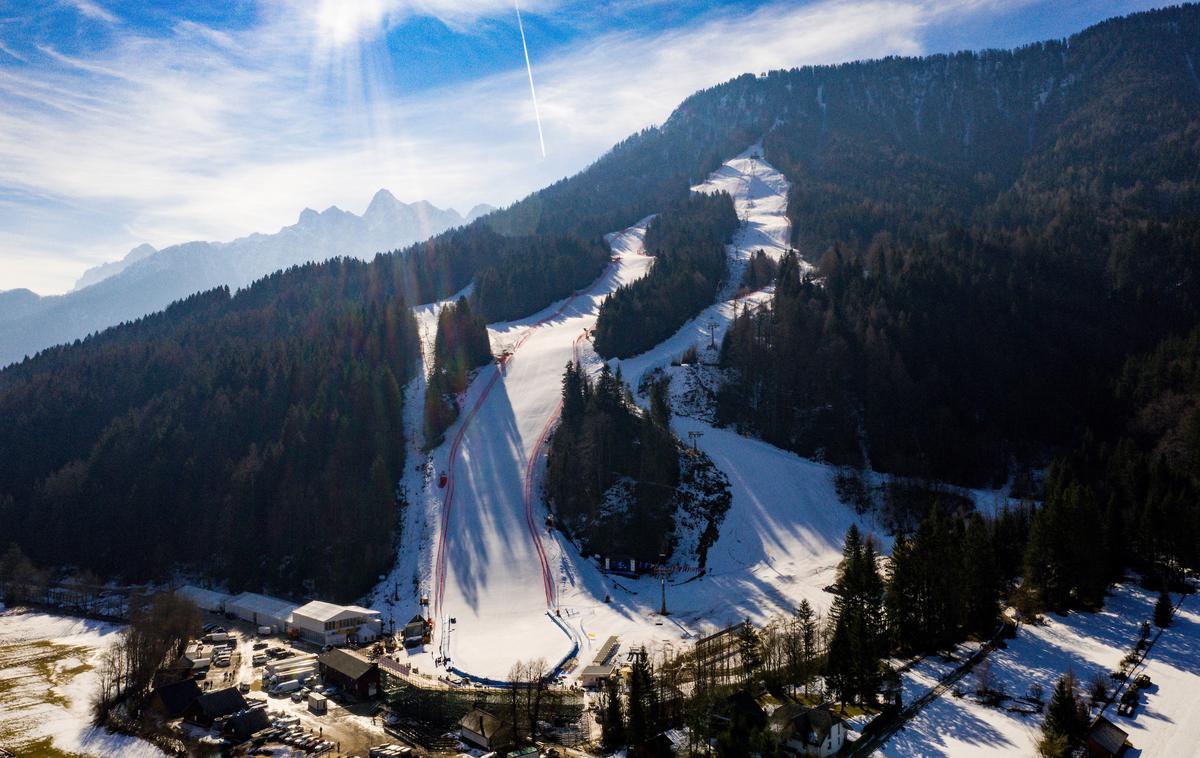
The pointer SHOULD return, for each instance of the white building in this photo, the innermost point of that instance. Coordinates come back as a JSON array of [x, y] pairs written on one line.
[[205, 600], [328, 624], [261, 610]]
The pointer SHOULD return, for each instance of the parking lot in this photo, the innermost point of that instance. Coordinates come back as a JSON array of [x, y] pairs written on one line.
[[346, 728]]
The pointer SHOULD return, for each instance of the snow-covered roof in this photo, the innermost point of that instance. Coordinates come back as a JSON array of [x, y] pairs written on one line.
[[319, 610], [203, 598], [263, 604]]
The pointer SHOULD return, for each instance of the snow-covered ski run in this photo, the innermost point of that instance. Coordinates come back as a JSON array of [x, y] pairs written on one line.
[[502, 587]]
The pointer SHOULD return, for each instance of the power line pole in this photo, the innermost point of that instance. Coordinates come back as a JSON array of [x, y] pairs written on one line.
[[712, 334]]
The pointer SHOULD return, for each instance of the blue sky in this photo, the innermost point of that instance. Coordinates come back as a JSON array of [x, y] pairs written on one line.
[[164, 122]]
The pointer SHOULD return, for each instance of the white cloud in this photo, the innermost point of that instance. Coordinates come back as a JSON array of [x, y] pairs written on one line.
[[209, 134], [93, 10]]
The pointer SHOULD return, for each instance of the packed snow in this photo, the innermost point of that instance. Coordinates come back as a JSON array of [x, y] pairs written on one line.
[[47, 679], [503, 588], [1166, 722]]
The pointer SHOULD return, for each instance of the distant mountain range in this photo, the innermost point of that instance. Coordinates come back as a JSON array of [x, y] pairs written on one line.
[[147, 280]]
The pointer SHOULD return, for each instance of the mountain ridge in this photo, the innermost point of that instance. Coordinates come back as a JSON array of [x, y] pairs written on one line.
[[146, 279]]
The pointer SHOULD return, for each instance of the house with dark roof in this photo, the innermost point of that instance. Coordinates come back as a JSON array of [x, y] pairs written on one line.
[[350, 672], [485, 730], [1104, 739], [212, 705], [175, 698], [244, 724], [805, 731]]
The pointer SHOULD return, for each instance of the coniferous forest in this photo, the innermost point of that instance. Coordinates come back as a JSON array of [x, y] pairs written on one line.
[[460, 346], [612, 468], [993, 236], [688, 244], [215, 435], [995, 270]]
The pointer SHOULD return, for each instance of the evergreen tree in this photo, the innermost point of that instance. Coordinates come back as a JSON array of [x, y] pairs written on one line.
[[1163, 610], [1066, 717], [642, 705], [839, 662], [806, 621], [749, 650], [857, 614], [980, 582], [612, 719]]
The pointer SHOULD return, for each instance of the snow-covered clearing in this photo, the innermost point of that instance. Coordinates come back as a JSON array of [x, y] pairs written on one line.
[[47, 679], [1166, 723], [503, 588]]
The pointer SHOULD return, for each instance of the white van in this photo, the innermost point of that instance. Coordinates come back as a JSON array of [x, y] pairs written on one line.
[[284, 688]]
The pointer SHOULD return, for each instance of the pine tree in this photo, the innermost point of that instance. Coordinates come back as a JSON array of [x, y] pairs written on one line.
[[839, 662], [574, 395], [1163, 610], [642, 707], [749, 649], [857, 614], [1066, 716], [980, 581], [612, 720], [806, 621], [900, 599]]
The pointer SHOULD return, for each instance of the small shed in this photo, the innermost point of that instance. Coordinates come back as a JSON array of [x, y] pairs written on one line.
[[485, 730], [603, 665], [317, 703], [350, 672], [416, 631], [1104, 739]]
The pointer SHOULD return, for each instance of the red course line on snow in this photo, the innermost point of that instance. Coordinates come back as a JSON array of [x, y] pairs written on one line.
[[448, 502], [547, 578]]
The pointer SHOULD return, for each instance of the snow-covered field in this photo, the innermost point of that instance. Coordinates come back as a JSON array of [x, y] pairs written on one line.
[[478, 548], [47, 678], [1167, 723]]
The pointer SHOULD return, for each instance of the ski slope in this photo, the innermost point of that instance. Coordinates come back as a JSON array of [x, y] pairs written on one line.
[[492, 581], [503, 588]]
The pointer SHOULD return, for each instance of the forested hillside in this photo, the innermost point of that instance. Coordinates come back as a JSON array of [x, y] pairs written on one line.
[[994, 234], [688, 242], [612, 467], [1005, 253], [460, 346], [217, 434]]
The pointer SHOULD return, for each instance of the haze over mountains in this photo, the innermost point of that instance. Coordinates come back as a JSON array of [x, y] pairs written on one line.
[[147, 280]]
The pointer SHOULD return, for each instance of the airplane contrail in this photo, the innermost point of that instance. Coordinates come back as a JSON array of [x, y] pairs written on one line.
[[529, 69]]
